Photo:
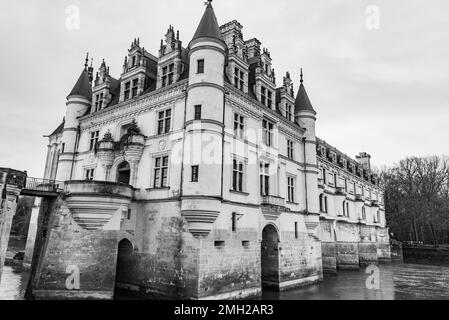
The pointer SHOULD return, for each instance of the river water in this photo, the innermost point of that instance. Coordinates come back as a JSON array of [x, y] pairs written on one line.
[[395, 281]]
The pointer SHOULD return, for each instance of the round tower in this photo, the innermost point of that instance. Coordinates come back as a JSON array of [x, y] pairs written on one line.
[[203, 155], [78, 102]]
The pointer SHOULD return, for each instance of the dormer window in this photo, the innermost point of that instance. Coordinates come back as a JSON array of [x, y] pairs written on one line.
[[239, 77], [270, 99], [288, 111], [168, 73], [266, 97], [133, 62], [263, 95], [127, 90], [135, 87], [98, 102]]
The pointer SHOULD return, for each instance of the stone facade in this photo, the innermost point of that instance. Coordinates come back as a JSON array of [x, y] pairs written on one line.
[[198, 178]]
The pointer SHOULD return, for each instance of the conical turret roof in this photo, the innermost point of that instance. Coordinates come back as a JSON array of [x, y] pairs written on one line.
[[82, 87], [208, 27], [302, 102]]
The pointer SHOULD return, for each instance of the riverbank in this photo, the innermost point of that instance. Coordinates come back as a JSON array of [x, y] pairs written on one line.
[[426, 254]]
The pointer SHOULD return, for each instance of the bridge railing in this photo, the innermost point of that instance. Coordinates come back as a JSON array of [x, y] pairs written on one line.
[[36, 184]]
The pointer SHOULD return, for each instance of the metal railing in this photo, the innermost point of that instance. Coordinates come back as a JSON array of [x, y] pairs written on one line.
[[36, 184]]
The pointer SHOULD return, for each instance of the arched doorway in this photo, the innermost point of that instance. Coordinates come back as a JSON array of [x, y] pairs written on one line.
[[124, 263], [123, 173], [270, 257]]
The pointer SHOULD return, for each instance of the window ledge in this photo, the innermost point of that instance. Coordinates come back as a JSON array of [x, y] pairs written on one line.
[[152, 189], [292, 203], [239, 192]]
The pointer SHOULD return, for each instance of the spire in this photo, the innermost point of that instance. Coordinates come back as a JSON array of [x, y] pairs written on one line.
[[208, 27], [302, 102], [83, 85]]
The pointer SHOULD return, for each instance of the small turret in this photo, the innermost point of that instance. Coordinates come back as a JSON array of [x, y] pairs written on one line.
[[78, 102]]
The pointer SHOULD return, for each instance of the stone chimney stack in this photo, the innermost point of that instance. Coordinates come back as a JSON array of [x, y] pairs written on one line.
[[365, 160]]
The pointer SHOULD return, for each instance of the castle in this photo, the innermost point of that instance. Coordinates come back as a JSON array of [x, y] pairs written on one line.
[[195, 176]]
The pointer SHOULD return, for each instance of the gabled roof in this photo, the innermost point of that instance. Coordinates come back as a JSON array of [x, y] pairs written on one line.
[[208, 27], [302, 102], [82, 87]]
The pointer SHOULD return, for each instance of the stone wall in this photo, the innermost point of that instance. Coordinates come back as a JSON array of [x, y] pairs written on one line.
[[229, 265], [299, 260], [70, 251]]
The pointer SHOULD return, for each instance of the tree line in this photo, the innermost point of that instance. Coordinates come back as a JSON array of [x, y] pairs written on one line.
[[417, 199]]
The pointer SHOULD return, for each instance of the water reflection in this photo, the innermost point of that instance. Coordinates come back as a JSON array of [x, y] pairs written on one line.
[[13, 283], [397, 282]]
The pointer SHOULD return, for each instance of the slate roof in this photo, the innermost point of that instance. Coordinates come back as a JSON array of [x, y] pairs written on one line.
[[208, 27], [302, 101], [82, 87]]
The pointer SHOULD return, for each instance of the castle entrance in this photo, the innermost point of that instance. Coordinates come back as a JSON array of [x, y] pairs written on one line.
[[124, 260], [270, 257]]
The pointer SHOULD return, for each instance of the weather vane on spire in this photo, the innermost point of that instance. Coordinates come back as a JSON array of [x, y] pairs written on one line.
[[302, 77], [208, 2]]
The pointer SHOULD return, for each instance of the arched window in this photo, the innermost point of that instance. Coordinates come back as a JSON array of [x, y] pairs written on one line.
[[321, 203], [123, 173], [344, 208], [325, 204], [363, 213], [347, 209]]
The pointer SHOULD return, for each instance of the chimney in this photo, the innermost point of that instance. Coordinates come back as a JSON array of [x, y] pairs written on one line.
[[364, 159]]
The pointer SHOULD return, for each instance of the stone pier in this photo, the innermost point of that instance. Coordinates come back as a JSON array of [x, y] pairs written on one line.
[[11, 184]]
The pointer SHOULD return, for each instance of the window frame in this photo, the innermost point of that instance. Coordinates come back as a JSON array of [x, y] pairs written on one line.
[[291, 186], [238, 177], [93, 139], [166, 121], [159, 170], [195, 173], [200, 66]]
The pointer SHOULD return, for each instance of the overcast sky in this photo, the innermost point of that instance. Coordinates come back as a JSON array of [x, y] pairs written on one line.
[[384, 91]]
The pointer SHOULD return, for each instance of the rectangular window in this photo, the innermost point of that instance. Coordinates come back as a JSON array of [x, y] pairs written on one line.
[[267, 136], [127, 90], [135, 87], [264, 179], [129, 214], [239, 125], [288, 112], [270, 99], [290, 149], [195, 173], [168, 73], [324, 176], [238, 174], [164, 122], [164, 76], [93, 140], [263, 95], [171, 73], [161, 172], [100, 102], [291, 189], [239, 79], [200, 66], [197, 112], [90, 174], [234, 221]]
